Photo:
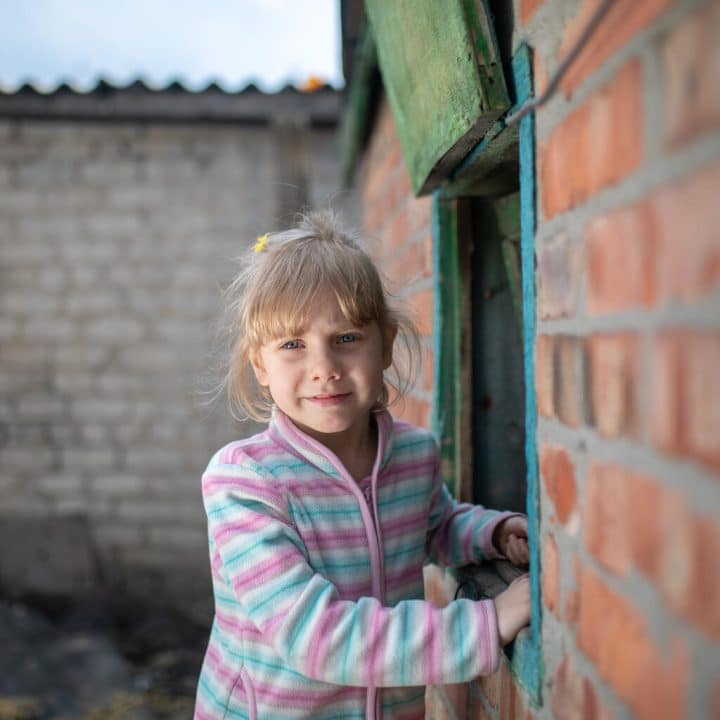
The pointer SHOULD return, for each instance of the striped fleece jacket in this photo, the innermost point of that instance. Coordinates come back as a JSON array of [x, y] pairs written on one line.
[[319, 609]]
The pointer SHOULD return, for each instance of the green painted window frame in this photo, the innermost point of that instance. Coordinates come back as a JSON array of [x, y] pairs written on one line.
[[447, 419]]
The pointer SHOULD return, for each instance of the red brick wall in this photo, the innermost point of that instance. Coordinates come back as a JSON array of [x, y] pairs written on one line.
[[397, 226], [627, 359]]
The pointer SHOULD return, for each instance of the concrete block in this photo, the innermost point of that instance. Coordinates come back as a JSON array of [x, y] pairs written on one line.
[[40, 407], [49, 330], [60, 483], [46, 556], [117, 484], [35, 460], [72, 383], [28, 302], [91, 302], [115, 330], [96, 409], [75, 459], [150, 459], [81, 357]]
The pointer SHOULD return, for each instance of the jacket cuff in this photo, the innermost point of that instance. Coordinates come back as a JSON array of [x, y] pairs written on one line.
[[491, 647], [488, 550]]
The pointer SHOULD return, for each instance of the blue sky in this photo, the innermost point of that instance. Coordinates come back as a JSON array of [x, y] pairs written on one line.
[[269, 42]]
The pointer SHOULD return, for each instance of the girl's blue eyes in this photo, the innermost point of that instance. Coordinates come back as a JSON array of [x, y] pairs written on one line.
[[341, 340]]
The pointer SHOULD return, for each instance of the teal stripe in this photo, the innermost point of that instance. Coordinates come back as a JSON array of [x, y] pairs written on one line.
[[364, 563], [405, 551], [309, 604], [279, 591], [405, 609], [383, 503], [233, 559]]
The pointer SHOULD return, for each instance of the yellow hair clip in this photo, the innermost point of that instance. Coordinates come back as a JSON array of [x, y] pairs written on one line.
[[261, 243]]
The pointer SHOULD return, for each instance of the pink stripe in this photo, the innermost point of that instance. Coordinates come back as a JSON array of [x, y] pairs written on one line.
[[430, 653], [318, 651], [231, 622], [404, 524], [251, 524], [292, 697], [257, 574], [200, 714], [337, 538], [213, 483], [376, 646]]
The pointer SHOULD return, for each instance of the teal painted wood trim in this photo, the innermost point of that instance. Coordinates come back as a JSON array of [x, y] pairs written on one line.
[[527, 660], [446, 335], [356, 117]]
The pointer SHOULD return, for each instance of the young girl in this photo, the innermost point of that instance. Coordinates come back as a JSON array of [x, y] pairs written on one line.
[[319, 526]]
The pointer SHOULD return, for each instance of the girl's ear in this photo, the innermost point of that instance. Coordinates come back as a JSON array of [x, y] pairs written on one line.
[[388, 341], [258, 368]]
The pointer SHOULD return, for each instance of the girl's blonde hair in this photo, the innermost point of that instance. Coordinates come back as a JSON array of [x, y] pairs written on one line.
[[274, 295]]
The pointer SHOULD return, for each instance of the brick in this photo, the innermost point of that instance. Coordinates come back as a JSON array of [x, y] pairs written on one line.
[[620, 260], [527, 9], [551, 576], [558, 474], [540, 73], [573, 695], [421, 305], [691, 62], [700, 398], [585, 153], [490, 686], [666, 377], [686, 216], [689, 546], [613, 634], [544, 352], [607, 517], [645, 536], [408, 267], [396, 235], [569, 379], [613, 362], [624, 20], [558, 265], [428, 369], [413, 410], [419, 212], [512, 704], [684, 408]]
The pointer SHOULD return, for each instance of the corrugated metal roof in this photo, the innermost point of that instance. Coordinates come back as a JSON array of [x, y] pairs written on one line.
[[316, 104]]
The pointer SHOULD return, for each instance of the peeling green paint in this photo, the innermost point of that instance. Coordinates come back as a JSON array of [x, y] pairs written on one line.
[[443, 78]]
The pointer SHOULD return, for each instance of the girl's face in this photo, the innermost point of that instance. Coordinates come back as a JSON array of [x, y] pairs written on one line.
[[326, 378]]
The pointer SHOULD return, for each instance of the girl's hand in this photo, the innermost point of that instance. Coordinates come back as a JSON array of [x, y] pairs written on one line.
[[512, 607], [510, 538]]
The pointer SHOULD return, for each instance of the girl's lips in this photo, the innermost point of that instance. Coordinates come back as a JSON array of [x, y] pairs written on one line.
[[326, 400]]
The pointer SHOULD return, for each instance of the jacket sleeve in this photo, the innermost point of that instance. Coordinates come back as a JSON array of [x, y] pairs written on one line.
[[460, 533], [361, 643]]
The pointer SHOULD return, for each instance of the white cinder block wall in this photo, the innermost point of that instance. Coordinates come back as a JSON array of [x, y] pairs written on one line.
[[115, 242]]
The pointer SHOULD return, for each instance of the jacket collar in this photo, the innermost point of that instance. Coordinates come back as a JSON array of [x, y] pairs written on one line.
[[284, 431]]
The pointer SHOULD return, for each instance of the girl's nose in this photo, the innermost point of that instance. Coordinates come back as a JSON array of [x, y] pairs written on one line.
[[324, 365]]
